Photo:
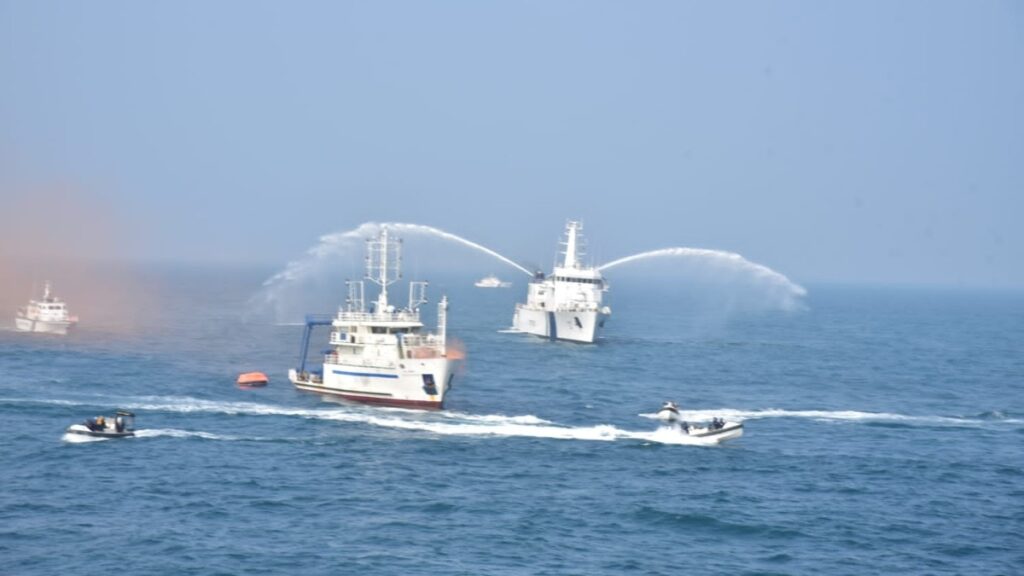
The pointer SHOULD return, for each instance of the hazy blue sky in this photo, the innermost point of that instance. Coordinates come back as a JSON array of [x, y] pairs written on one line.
[[833, 141]]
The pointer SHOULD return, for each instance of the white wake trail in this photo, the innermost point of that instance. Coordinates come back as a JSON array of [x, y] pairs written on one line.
[[442, 423], [829, 415], [175, 433]]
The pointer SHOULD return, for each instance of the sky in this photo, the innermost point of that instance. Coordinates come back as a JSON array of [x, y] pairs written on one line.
[[846, 141]]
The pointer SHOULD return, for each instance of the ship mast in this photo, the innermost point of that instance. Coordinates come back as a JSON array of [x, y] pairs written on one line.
[[571, 245], [383, 264]]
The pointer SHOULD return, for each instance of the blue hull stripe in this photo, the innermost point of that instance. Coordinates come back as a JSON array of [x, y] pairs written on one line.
[[371, 375], [552, 328]]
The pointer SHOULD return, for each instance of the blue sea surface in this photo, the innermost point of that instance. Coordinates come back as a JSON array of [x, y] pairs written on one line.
[[884, 433]]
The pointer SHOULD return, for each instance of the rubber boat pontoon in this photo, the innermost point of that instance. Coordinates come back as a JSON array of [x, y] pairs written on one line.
[[718, 429], [121, 425]]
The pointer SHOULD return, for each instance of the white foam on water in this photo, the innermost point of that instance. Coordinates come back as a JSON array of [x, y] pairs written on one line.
[[826, 415], [80, 438], [175, 433], [450, 424], [499, 418], [447, 423]]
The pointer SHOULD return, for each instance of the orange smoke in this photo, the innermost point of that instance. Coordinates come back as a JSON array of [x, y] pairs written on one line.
[[456, 350], [60, 233]]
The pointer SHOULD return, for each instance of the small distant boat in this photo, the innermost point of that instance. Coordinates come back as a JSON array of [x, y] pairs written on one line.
[[121, 425], [718, 429], [492, 282], [49, 315], [252, 380]]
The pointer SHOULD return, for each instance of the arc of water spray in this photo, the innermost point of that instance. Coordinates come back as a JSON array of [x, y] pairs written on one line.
[[422, 229], [723, 256], [329, 243]]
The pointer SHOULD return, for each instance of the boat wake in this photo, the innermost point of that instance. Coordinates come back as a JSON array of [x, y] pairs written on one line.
[[442, 423], [81, 438], [839, 415], [174, 433], [152, 433], [447, 423]]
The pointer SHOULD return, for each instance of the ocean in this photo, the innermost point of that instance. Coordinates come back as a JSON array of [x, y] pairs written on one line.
[[884, 433]]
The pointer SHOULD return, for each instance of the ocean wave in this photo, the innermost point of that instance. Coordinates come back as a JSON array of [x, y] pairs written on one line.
[[697, 521]]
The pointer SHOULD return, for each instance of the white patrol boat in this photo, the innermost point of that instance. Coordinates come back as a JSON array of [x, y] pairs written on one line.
[[567, 304], [49, 315], [717, 430], [492, 282], [381, 356]]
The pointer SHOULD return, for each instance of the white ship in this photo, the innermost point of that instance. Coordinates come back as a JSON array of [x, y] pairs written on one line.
[[567, 304], [492, 282], [49, 315], [381, 356]]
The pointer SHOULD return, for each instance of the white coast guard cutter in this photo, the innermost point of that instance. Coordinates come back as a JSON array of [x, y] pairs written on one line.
[[567, 304]]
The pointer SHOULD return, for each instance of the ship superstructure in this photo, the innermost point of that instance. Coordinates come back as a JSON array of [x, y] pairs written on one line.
[[381, 355], [567, 304], [49, 315]]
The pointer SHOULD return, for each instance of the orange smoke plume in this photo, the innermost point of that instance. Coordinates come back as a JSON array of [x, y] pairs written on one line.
[[60, 233], [456, 349]]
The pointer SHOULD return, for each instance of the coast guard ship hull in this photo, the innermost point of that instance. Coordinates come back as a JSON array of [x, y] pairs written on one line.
[[24, 324], [574, 326]]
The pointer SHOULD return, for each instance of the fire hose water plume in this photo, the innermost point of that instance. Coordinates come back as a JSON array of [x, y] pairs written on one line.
[[311, 265], [761, 274]]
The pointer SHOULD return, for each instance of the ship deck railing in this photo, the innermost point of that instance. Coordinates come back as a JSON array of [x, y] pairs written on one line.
[[400, 316], [571, 307], [359, 361], [420, 341]]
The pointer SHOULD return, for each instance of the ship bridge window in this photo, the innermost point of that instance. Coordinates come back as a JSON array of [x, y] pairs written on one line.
[[577, 280]]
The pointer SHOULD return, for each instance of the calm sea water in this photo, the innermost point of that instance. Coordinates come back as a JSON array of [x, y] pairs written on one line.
[[884, 433]]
